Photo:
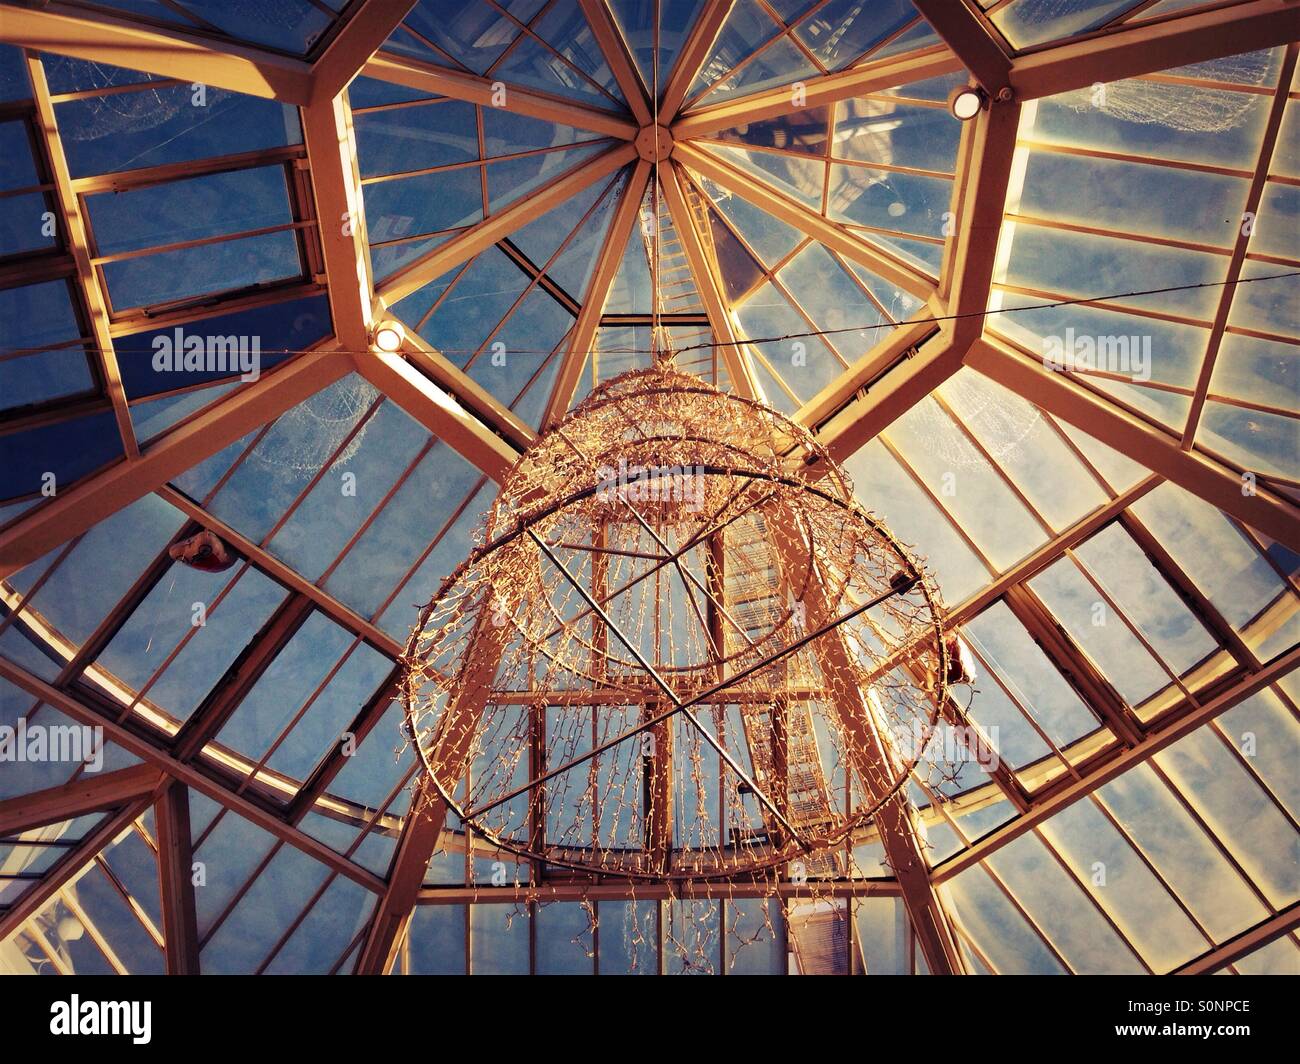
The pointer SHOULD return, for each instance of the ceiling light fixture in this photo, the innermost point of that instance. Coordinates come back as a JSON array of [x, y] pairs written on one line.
[[677, 649], [388, 336], [966, 101]]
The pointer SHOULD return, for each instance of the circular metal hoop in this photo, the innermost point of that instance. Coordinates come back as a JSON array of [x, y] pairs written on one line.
[[819, 642]]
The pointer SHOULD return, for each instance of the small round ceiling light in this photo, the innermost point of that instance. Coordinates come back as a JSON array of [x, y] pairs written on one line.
[[388, 336], [966, 101]]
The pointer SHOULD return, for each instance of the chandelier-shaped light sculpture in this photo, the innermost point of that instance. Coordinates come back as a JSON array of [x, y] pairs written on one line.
[[681, 650]]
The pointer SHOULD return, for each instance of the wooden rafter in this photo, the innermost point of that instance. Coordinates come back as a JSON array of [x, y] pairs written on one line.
[[76, 232], [709, 286], [176, 881], [191, 775], [336, 184], [78, 508], [1159, 736], [1155, 447], [807, 221], [967, 31], [708, 24], [165, 52], [459, 85], [582, 336], [352, 47], [619, 58], [88, 793], [466, 245]]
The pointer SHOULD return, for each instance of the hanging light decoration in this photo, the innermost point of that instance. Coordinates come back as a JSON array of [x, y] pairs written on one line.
[[681, 650]]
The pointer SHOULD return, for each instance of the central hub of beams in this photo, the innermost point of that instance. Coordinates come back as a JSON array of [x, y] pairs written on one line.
[[654, 143]]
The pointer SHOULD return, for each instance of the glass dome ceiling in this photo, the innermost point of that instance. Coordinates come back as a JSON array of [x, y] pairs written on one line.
[[540, 192]]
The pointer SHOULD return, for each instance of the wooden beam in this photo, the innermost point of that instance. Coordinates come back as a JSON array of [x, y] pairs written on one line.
[[437, 411], [468, 392], [336, 185], [346, 617], [1155, 447], [167, 53], [582, 336], [967, 31], [353, 46], [707, 283], [616, 53], [176, 881], [466, 245], [823, 91], [34, 899], [808, 222], [1263, 164], [449, 753], [1119, 52], [870, 754], [240, 677], [985, 174], [857, 382], [76, 509], [1164, 732], [188, 774], [1124, 51], [901, 374], [907, 382], [76, 233], [1244, 944], [91, 792], [708, 24], [459, 85]]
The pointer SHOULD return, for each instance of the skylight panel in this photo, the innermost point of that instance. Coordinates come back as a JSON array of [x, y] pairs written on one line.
[[473, 35], [262, 913], [246, 236], [1232, 573], [998, 929], [1124, 887], [1094, 626], [806, 365], [1055, 901], [747, 28], [426, 514], [1026, 23], [964, 483], [1026, 445], [637, 20], [119, 549], [69, 450], [840, 32], [1128, 576], [40, 356], [319, 526], [278, 329], [322, 942], [312, 435], [291, 25], [154, 126], [1008, 650], [881, 484], [1182, 852], [23, 203], [1236, 808], [164, 656], [1268, 737]]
